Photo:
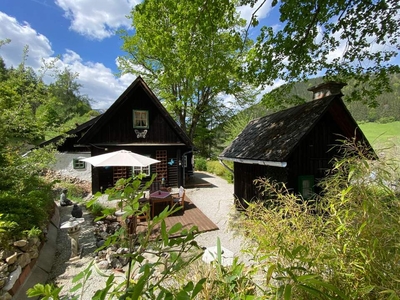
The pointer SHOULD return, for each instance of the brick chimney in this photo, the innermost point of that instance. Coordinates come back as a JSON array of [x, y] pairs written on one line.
[[327, 89]]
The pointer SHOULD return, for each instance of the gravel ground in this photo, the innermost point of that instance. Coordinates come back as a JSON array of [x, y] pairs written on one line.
[[214, 200]]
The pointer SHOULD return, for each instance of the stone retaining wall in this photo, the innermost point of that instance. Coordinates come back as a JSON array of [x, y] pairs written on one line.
[[28, 262]]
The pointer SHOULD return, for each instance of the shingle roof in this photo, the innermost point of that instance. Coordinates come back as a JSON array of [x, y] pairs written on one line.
[[274, 137]]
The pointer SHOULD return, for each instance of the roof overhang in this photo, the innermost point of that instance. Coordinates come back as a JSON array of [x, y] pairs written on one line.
[[130, 144], [279, 164]]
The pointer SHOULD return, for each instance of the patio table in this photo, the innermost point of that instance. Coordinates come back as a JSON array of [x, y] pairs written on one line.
[[160, 197]]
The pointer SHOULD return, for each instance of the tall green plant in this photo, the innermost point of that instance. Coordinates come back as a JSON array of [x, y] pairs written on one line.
[[342, 245], [174, 249]]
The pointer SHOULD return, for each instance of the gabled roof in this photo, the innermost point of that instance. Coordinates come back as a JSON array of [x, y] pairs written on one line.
[[77, 131], [138, 83], [272, 139]]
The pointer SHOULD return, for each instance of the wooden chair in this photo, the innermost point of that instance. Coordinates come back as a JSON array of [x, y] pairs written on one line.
[[179, 198]]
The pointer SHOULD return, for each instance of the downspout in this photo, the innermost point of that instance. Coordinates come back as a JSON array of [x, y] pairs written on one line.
[[226, 167]]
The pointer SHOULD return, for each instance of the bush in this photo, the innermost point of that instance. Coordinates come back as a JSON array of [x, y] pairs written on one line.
[[385, 120], [28, 209], [215, 167], [342, 245], [200, 164], [96, 209]]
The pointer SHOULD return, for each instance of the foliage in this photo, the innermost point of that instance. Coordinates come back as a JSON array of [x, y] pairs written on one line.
[[25, 199], [200, 164], [96, 209], [7, 227], [353, 42], [29, 208], [65, 102], [189, 52], [46, 292], [342, 245], [150, 280], [33, 232], [214, 167]]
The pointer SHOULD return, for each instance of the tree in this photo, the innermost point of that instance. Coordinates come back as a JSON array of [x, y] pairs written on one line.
[[67, 102], [350, 41], [189, 52]]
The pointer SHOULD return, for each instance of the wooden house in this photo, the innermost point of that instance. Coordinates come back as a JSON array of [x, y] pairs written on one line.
[[294, 146], [137, 122]]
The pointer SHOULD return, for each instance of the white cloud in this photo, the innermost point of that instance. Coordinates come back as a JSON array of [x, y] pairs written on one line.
[[246, 11], [21, 34], [98, 81], [97, 19]]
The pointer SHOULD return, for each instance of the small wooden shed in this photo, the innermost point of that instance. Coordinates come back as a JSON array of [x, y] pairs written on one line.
[[294, 146], [138, 122]]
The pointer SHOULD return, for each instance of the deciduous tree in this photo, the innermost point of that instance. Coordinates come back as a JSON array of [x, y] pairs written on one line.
[[188, 52], [353, 40]]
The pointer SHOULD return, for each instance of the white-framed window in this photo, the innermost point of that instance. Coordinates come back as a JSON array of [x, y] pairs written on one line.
[[145, 170], [78, 165], [140, 119]]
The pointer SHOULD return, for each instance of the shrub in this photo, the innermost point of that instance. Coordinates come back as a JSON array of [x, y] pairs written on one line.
[[200, 164], [385, 120], [96, 209], [341, 245], [215, 167], [31, 207]]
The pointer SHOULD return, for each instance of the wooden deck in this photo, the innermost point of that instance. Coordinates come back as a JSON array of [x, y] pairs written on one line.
[[191, 216]]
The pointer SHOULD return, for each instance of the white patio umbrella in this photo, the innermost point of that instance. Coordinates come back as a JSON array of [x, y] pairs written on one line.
[[121, 158]]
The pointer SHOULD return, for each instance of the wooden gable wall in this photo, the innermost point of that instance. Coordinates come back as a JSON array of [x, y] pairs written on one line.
[[119, 128], [314, 154]]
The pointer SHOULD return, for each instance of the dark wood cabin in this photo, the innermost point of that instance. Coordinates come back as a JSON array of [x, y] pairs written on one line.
[[294, 146], [137, 122]]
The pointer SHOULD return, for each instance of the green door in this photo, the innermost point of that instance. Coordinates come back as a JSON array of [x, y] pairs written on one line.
[[306, 186]]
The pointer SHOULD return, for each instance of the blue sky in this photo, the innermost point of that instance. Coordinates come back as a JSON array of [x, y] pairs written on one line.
[[82, 33]]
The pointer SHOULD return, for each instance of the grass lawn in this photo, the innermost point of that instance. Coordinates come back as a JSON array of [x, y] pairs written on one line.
[[382, 135]]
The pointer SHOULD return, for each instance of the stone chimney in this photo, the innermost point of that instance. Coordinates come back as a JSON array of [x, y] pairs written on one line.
[[327, 89]]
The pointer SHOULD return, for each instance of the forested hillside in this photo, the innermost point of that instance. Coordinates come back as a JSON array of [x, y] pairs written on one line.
[[388, 104]]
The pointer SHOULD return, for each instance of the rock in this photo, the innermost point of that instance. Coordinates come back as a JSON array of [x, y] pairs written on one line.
[[12, 279], [3, 267], [5, 296], [33, 252], [103, 265], [12, 259], [5, 253], [100, 243], [23, 260], [12, 268], [3, 281], [122, 250], [110, 254], [124, 260], [34, 241], [116, 264], [21, 243]]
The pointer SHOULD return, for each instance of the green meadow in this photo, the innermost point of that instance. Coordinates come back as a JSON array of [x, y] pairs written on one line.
[[382, 134], [384, 138]]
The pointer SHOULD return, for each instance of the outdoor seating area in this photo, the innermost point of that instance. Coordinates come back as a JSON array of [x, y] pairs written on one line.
[[189, 215], [160, 199]]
